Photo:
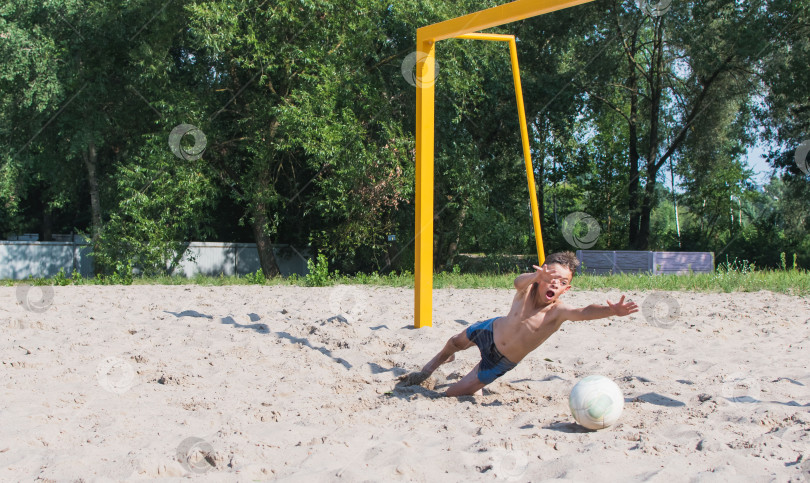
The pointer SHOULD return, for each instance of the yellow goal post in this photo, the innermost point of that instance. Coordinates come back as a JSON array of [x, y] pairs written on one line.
[[465, 27]]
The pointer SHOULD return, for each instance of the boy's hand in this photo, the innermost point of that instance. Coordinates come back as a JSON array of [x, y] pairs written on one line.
[[544, 274], [621, 309]]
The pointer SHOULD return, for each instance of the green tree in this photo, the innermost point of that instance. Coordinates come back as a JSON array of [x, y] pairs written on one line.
[[673, 78], [293, 127], [31, 91], [84, 134], [162, 205]]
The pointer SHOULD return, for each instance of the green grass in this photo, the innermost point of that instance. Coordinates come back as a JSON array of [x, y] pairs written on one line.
[[792, 282]]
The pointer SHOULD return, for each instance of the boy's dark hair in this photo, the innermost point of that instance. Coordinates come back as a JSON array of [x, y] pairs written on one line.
[[568, 260]]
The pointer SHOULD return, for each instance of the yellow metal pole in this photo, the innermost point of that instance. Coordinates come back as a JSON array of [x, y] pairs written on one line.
[[527, 156], [425, 95], [524, 132], [492, 17], [482, 36], [426, 37]]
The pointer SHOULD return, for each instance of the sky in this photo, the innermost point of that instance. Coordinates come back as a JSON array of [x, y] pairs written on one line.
[[762, 170]]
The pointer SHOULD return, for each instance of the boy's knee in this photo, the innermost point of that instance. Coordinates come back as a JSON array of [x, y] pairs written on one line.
[[459, 341]]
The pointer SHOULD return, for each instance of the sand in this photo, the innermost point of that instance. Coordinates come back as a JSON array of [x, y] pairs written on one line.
[[250, 383]]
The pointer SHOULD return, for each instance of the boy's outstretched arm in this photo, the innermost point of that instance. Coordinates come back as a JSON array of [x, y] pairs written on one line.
[[596, 311]]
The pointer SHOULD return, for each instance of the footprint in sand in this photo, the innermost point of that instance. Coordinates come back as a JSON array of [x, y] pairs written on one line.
[[806, 470]]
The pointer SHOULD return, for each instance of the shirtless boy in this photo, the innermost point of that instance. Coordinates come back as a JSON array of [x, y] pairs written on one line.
[[536, 313]]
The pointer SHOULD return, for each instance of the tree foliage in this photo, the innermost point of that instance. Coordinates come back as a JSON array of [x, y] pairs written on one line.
[[309, 128]]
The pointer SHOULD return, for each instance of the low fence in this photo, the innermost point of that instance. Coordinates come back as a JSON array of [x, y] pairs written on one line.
[[22, 259], [601, 262]]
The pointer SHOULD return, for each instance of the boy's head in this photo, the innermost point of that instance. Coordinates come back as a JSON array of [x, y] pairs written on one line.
[[568, 260], [566, 264]]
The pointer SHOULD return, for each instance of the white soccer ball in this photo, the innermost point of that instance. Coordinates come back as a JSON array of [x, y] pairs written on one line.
[[596, 402]]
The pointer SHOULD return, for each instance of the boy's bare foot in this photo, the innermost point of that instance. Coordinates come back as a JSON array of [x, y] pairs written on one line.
[[417, 379], [431, 366], [413, 378]]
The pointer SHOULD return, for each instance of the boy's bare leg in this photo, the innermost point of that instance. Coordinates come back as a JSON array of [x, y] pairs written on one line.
[[467, 386], [458, 342]]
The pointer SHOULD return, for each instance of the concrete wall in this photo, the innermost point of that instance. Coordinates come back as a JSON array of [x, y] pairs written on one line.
[[213, 258], [598, 262], [21, 259], [679, 263]]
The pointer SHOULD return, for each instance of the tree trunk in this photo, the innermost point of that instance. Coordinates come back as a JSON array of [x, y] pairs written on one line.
[[446, 236], [633, 186], [647, 203], [267, 259], [91, 162], [656, 89], [452, 248], [47, 224]]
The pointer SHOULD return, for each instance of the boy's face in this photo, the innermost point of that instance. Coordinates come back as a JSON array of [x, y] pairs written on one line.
[[551, 291]]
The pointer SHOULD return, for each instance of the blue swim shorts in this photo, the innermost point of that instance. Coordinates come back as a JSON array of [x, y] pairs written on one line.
[[493, 364]]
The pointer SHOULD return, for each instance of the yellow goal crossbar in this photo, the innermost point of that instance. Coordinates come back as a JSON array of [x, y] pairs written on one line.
[[464, 27]]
